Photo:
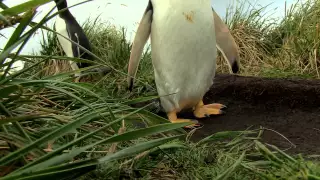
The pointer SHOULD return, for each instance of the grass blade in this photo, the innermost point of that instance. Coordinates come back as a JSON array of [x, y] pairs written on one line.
[[59, 132], [3, 6], [135, 149], [223, 135], [67, 171], [22, 118], [16, 35], [228, 172], [21, 27], [60, 149], [6, 91], [118, 138], [23, 7]]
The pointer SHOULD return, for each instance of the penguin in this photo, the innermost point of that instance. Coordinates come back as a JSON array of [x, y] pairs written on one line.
[[183, 51], [68, 26]]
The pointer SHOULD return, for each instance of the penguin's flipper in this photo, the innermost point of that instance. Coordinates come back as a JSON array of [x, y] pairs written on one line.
[[226, 43], [140, 40], [202, 110]]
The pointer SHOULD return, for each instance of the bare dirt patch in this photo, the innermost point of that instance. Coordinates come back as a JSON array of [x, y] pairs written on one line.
[[288, 106]]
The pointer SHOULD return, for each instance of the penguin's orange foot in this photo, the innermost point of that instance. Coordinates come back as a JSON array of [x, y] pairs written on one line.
[[173, 118], [202, 110]]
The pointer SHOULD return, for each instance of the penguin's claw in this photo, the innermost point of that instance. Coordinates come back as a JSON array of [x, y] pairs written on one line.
[[209, 109], [216, 106]]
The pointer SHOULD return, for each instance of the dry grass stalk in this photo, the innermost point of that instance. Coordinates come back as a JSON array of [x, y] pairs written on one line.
[[53, 67], [121, 130]]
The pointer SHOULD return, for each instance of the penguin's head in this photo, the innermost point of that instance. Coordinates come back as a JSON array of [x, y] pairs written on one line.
[[61, 4]]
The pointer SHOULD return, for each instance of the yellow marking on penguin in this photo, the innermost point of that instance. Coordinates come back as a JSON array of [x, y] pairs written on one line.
[[189, 16]]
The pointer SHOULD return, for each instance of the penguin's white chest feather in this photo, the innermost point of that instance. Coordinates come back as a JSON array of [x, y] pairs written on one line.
[[61, 27], [183, 51]]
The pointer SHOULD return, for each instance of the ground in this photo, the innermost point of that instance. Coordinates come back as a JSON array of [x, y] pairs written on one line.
[[288, 107]]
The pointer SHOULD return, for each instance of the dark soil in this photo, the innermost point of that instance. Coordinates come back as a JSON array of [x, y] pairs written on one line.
[[290, 107]]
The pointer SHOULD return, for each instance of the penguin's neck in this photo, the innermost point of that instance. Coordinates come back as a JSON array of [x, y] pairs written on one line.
[[61, 4]]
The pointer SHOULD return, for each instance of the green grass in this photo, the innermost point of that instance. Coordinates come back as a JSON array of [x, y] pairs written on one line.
[[224, 155], [290, 46], [91, 123]]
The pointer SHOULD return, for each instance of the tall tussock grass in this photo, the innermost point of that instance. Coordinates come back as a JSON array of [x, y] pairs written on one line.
[[110, 44], [299, 33], [272, 48], [92, 125], [249, 31]]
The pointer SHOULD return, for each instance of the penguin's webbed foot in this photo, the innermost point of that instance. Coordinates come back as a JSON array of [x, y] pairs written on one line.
[[202, 110], [173, 118]]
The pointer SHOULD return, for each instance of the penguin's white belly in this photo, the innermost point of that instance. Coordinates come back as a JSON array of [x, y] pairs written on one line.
[[61, 28], [183, 52]]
